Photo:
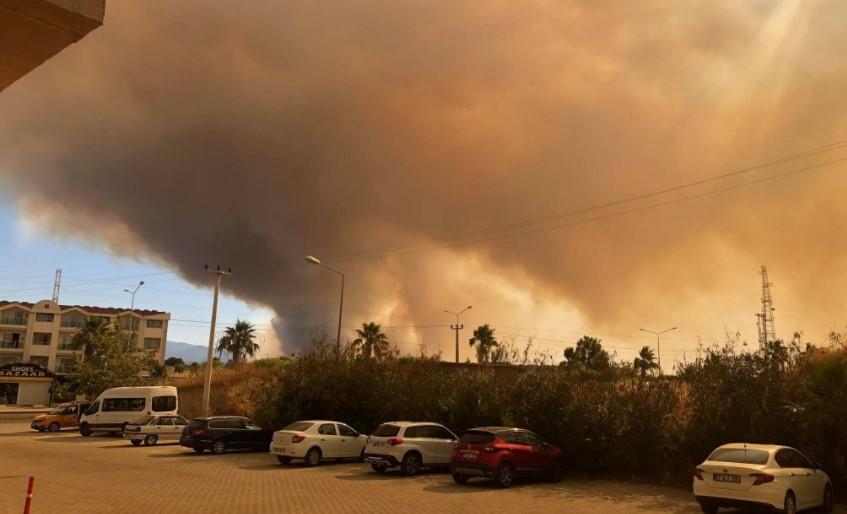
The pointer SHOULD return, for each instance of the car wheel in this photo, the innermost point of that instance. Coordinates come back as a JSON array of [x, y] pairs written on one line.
[[135, 442], [197, 449], [218, 447], [53, 427], [790, 504], [150, 440], [313, 457], [460, 479], [84, 430], [709, 508], [411, 463], [555, 475], [379, 468], [505, 475], [283, 460], [826, 504]]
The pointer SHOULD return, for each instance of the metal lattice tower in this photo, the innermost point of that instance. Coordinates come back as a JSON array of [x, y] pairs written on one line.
[[57, 284], [767, 330]]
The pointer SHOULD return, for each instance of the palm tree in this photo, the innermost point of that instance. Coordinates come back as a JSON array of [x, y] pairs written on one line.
[[371, 340], [483, 337], [645, 362], [239, 341]]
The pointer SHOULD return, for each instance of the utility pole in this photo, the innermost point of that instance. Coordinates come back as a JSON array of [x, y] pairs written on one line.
[[457, 327], [57, 284], [317, 262], [658, 347], [207, 382], [767, 330], [131, 314]]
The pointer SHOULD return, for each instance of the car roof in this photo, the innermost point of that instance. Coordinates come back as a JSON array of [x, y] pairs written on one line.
[[497, 429], [410, 423], [319, 421], [752, 446], [216, 418]]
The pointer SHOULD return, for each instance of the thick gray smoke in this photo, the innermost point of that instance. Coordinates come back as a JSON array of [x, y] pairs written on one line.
[[252, 135]]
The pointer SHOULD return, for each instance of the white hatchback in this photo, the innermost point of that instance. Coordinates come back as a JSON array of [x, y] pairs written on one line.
[[759, 475], [410, 445], [314, 440]]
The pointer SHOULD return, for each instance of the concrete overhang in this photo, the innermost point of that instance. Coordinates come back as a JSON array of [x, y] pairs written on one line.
[[32, 31]]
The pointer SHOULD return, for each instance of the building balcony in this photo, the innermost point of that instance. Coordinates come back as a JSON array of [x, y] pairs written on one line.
[[11, 345], [66, 347], [13, 320], [72, 323]]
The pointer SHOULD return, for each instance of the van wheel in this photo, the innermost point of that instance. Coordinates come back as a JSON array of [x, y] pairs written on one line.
[[85, 430], [283, 460], [411, 463], [826, 505], [790, 504], [313, 457], [505, 475], [460, 479], [150, 440], [53, 427], [218, 447]]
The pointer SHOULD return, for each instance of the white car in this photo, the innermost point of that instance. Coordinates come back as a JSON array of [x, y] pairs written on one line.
[[152, 429], [761, 475], [410, 445], [314, 440]]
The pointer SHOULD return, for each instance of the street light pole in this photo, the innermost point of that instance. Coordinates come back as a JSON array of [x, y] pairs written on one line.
[[317, 262], [457, 327], [207, 381], [131, 313], [658, 348]]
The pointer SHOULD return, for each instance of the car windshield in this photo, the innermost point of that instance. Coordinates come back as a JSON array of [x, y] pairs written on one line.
[[739, 456], [299, 426], [476, 437], [143, 420], [386, 431], [57, 410]]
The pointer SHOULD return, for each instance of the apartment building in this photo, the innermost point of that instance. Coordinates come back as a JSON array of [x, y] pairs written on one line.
[[40, 333]]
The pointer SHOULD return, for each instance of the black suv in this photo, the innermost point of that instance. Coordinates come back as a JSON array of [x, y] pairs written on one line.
[[221, 433]]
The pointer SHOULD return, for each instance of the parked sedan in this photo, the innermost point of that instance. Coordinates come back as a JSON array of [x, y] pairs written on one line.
[[152, 429], [315, 440], [221, 433], [761, 476], [504, 453]]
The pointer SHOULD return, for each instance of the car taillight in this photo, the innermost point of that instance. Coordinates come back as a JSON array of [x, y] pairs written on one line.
[[761, 478], [395, 441], [492, 449], [297, 438], [698, 473], [198, 433]]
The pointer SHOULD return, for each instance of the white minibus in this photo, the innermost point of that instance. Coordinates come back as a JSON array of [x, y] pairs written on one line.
[[118, 406]]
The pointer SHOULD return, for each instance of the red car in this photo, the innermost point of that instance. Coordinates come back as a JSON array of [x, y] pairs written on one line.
[[504, 453]]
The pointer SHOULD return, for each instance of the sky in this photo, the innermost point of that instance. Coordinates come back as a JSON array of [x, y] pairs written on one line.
[[566, 168]]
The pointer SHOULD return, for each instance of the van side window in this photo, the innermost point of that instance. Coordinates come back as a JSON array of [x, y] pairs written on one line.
[[93, 408], [164, 403], [123, 404]]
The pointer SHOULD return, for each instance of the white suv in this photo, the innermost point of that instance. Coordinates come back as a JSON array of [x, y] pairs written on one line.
[[410, 445]]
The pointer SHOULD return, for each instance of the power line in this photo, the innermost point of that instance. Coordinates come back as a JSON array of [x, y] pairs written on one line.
[[470, 237]]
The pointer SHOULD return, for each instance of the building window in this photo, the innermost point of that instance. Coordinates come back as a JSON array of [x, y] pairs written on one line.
[[44, 316], [13, 318], [41, 338], [41, 361], [152, 343], [67, 366], [106, 320], [155, 323]]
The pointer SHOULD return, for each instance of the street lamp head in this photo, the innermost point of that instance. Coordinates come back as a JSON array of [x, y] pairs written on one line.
[[313, 260], [470, 306], [141, 283]]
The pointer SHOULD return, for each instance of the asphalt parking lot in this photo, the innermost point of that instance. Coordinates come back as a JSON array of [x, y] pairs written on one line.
[[103, 474]]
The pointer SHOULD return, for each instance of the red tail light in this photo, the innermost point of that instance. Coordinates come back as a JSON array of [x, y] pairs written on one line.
[[492, 449], [395, 441], [198, 433], [297, 438], [761, 478], [698, 473]]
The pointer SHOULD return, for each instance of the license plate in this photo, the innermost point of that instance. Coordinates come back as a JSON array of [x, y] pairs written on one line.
[[378, 444], [726, 478], [470, 455]]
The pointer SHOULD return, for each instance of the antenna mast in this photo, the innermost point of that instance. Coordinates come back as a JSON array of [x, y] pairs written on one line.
[[57, 284], [767, 331]]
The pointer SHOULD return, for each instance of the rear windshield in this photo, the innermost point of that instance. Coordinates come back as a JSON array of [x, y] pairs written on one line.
[[299, 426], [386, 431], [739, 456], [476, 437], [195, 423], [143, 420]]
